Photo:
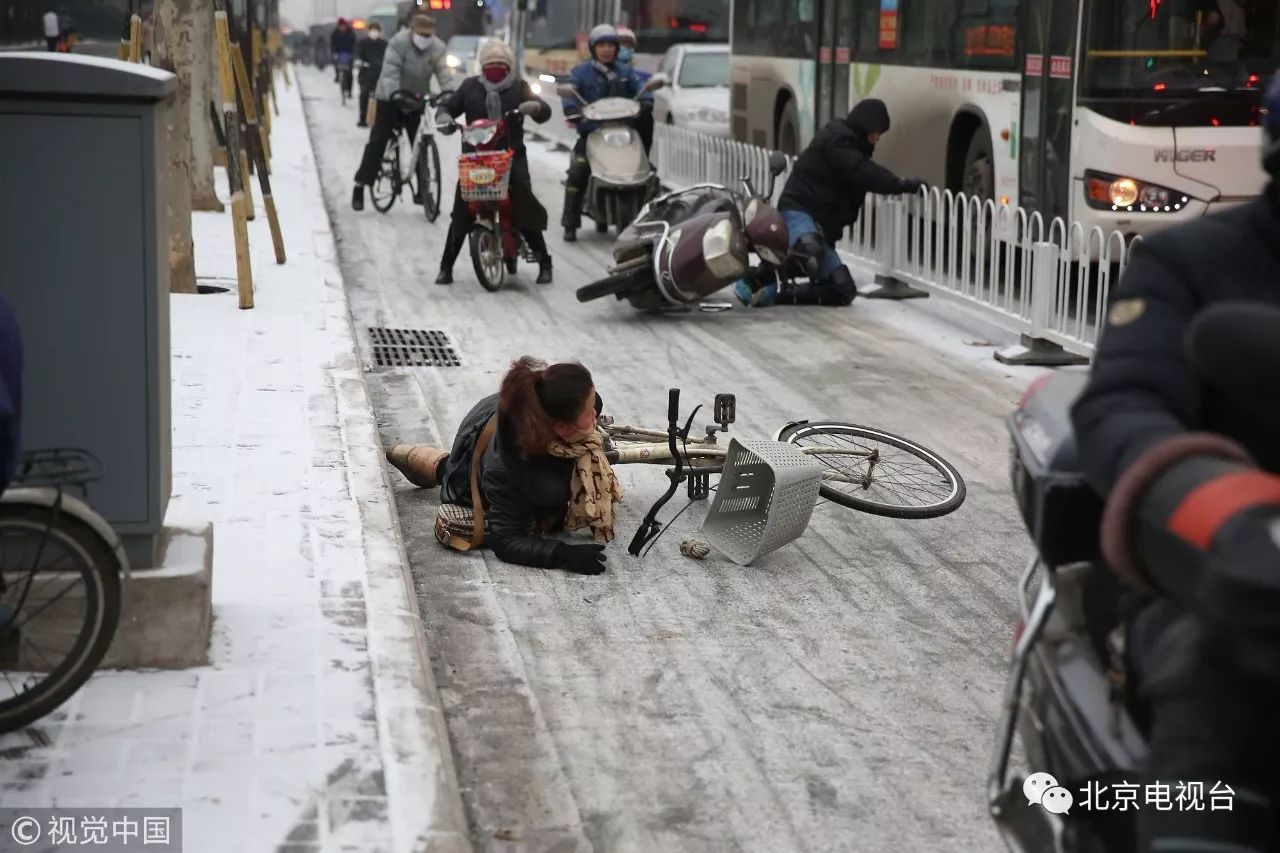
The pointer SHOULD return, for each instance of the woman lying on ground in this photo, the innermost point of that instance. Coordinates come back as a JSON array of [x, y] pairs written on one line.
[[542, 470]]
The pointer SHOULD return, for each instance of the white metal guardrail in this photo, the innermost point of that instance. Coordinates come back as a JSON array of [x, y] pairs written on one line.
[[1048, 283]]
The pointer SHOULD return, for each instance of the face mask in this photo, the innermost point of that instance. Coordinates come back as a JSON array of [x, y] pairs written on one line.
[[625, 55], [374, 35], [421, 42], [495, 73]]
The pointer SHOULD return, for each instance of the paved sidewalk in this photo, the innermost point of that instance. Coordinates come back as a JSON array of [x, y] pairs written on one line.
[[317, 725]]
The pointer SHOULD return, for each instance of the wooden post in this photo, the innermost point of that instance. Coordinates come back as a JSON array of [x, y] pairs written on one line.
[[231, 127], [264, 179], [135, 37], [122, 52], [234, 56]]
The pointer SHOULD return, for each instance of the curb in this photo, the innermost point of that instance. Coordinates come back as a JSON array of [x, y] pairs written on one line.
[[424, 800]]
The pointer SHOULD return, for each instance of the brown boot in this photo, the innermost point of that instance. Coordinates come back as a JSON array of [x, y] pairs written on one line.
[[419, 463]]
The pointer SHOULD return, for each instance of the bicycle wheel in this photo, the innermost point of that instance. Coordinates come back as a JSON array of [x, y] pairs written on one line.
[[429, 178], [386, 189], [486, 257], [896, 477], [59, 607]]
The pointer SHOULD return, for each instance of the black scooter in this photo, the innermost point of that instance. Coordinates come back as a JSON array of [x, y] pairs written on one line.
[[1066, 693]]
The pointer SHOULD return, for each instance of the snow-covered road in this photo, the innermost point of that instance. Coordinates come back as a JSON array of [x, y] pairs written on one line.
[[839, 695]]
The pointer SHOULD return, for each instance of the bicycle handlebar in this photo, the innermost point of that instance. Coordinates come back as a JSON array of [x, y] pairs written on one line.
[[649, 527]]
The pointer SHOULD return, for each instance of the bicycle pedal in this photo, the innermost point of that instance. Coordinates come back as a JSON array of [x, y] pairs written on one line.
[[726, 410], [700, 486]]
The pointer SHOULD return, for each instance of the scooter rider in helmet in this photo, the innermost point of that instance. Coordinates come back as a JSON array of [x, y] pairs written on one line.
[[822, 197], [1192, 520], [601, 76], [627, 54]]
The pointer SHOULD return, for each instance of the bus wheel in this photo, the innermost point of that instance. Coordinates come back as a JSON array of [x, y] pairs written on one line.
[[979, 178], [789, 130]]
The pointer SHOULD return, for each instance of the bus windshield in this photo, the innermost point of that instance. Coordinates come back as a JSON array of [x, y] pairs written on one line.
[[552, 25], [1210, 53]]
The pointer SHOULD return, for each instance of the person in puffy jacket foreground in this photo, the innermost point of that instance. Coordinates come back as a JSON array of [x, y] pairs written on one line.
[[543, 469], [1191, 525], [822, 197]]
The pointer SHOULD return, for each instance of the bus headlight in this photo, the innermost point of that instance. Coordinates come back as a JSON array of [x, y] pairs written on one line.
[[1117, 192]]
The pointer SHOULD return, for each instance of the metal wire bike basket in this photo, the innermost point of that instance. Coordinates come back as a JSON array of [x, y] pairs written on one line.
[[484, 175], [766, 496]]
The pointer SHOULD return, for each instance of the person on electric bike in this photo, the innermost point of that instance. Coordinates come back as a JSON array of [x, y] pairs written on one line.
[[822, 197], [627, 54], [1191, 523], [542, 470], [342, 47], [602, 76], [495, 92], [369, 52], [412, 58]]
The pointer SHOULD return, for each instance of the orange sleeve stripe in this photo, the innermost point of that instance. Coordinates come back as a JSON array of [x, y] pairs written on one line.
[[1206, 508]]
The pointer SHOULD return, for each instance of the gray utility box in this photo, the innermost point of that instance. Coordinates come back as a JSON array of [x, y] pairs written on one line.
[[84, 261]]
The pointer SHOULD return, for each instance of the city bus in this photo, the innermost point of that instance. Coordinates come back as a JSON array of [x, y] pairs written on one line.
[[554, 32], [1126, 114]]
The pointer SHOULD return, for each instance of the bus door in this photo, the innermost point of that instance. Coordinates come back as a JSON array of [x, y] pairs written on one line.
[[835, 43], [1048, 104]]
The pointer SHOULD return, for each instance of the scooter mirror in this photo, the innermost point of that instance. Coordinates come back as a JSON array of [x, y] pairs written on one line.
[[1234, 347], [777, 163]]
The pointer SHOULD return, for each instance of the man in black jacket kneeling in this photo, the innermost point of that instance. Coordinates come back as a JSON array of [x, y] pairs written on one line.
[[822, 197]]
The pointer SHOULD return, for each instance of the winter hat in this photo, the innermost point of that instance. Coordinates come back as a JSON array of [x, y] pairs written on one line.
[[869, 116], [495, 52]]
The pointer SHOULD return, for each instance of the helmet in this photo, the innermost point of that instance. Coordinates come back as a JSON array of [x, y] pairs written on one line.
[[1271, 128], [603, 32], [627, 36]]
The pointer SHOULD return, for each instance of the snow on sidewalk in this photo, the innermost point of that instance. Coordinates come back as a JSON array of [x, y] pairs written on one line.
[[316, 725]]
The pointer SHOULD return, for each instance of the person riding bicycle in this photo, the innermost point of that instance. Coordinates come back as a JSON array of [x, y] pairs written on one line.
[[602, 76], [1191, 523], [496, 91], [342, 47], [412, 58], [823, 196], [544, 469], [369, 52], [627, 54]]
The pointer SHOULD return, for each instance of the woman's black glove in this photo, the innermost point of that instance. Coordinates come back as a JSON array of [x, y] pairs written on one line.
[[580, 559]]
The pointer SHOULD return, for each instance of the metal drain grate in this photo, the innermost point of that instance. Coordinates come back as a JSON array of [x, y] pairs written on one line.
[[412, 348]]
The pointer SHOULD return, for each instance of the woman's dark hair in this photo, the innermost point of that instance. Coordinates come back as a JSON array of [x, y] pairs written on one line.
[[534, 398]]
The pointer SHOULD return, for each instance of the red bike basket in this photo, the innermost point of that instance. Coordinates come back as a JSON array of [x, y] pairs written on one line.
[[484, 175]]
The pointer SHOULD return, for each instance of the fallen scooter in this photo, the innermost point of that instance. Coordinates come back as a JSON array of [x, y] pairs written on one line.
[[687, 244], [1067, 693], [622, 178]]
